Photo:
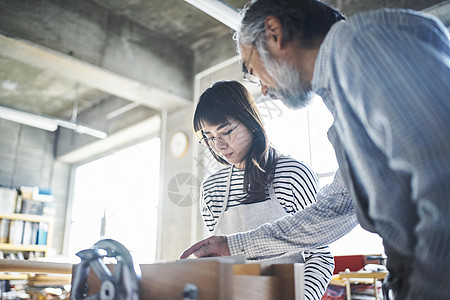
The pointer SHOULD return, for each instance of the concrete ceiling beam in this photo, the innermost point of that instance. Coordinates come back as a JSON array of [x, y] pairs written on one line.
[[90, 75], [119, 56]]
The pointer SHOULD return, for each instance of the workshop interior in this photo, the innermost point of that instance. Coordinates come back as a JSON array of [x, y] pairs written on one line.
[[100, 170]]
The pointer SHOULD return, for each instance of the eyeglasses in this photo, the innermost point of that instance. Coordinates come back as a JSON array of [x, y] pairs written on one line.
[[222, 137], [247, 76]]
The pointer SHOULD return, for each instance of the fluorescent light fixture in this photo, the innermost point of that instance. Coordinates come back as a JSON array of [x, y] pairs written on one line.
[[46, 123], [145, 129], [219, 10], [81, 129], [29, 119]]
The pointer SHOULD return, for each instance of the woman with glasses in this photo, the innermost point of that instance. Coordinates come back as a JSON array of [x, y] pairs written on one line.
[[257, 184]]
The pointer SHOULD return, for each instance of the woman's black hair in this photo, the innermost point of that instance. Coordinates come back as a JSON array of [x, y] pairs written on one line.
[[230, 99]]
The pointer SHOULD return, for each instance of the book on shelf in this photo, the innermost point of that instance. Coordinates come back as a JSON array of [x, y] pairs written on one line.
[[19, 201], [4, 230], [28, 192], [42, 233], [27, 238], [7, 200], [32, 200], [19, 232], [44, 195], [36, 193], [49, 210], [34, 233], [16, 232], [32, 207]]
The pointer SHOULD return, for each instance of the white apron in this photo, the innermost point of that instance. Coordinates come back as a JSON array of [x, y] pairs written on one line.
[[250, 216]]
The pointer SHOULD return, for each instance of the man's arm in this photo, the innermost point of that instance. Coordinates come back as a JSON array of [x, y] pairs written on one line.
[[320, 224], [330, 218]]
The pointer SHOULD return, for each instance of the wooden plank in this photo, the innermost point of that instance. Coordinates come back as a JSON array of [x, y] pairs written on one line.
[[256, 287], [377, 275], [167, 280], [16, 247], [27, 217], [49, 280], [28, 266], [246, 269], [291, 279], [14, 276]]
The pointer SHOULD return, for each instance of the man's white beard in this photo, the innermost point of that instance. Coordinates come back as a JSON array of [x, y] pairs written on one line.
[[291, 88]]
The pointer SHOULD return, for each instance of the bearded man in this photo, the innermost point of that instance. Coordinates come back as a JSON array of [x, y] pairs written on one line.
[[385, 77]]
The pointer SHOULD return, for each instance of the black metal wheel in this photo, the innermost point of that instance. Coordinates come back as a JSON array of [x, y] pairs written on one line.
[[120, 283]]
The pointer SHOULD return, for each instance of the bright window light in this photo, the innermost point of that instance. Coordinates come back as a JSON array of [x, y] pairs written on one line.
[[302, 134], [122, 190]]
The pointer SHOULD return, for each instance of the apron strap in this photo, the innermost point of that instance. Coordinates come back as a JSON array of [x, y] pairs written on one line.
[[272, 195], [225, 200]]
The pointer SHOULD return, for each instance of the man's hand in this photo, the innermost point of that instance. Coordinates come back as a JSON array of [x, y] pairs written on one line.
[[212, 246]]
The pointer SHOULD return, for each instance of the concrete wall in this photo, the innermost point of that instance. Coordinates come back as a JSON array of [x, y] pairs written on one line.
[[26, 158], [90, 33], [211, 54], [178, 188]]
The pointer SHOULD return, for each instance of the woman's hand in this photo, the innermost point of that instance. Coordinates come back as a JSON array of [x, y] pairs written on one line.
[[212, 246]]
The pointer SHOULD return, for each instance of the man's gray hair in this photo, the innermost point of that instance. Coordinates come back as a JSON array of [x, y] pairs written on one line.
[[251, 32], [302, 21]]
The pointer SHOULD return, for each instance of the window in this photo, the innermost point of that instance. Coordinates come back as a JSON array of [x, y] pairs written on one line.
[[302, 134], [116, 197]]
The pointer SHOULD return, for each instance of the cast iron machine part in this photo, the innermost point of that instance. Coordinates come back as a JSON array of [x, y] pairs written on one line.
[[121, 283], [190, 292]]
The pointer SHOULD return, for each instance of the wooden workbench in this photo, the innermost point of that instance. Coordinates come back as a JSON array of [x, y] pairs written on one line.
[[217, 280]]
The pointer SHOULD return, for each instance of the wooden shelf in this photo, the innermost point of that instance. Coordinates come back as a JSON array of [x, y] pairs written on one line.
[[25, 217], [13, 276], [39, 273], [12, 247], [49, 280], [33, 219]]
